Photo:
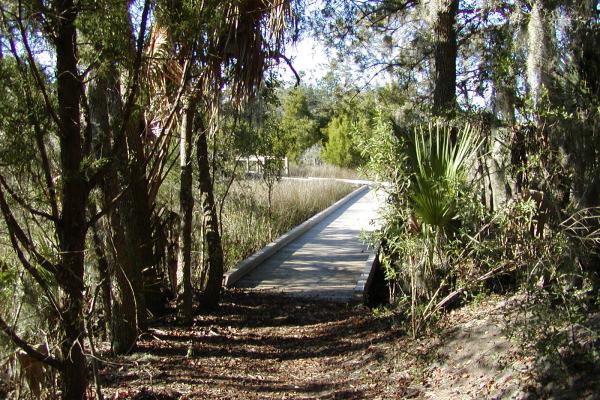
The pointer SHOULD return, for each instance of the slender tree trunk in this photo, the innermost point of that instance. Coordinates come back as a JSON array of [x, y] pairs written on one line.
[[186, 205], [537, 48], [104, 273], [214, 249], [497, 166], [74, 195], [127, 299], [504, 95], [139, 214], [445, 53]]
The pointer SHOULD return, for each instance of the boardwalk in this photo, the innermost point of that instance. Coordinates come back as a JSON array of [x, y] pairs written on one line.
[[326, 261]]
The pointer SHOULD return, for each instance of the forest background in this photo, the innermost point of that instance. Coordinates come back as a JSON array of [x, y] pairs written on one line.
[[483, 119]]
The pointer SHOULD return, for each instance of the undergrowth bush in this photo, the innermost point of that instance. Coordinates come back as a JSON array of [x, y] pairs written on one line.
[[440, 242], [429, 193], [559, 299]]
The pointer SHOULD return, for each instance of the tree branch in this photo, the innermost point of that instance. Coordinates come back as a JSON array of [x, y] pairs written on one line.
[[26, 264], [47, 174], [279, 55], [105, 210], [24, 204], [19, 235], [31, 352]]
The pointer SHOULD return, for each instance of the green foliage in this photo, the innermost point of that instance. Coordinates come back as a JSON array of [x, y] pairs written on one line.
[[16, 117], [439, 166], [340, 148], [431, 209], [297, 122], [439, 237], [386, 159], [8, 277], [106, 28]]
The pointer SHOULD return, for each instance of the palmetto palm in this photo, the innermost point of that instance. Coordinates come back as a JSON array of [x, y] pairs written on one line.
[[439, 162], [439, 165]]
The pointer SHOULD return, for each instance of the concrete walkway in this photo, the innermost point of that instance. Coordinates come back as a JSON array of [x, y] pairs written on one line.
[[325, 262]]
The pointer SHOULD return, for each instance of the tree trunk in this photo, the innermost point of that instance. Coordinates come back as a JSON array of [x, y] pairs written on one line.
[[127, 299], [104, 273], [497, 164], [186, 205], [504, 97], [503, 186], [214, 281], [74, 195], [445, 53], [537, 43], [139, 214]]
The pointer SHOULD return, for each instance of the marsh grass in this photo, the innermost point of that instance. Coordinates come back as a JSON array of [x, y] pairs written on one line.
[[323, 171], [247, 223]]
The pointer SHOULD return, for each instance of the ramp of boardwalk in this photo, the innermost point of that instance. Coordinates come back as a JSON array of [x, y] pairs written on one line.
[[327, 261]]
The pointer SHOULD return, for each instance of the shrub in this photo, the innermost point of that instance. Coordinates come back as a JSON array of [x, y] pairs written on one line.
[[428, 198], [340, 148]]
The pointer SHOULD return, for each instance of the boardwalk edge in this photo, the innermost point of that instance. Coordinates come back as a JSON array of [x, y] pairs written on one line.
[[361, 290], [250, 263]]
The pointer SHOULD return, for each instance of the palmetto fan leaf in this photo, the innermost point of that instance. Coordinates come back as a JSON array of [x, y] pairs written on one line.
[[433, 204], [439, 165]]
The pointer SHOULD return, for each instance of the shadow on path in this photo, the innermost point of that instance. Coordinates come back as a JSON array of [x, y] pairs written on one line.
[[259, 346]]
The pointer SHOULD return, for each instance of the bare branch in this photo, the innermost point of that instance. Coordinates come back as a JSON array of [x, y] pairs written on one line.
[[278, 55], [24, 204], [47, 173], [31, 352], [19, 236]]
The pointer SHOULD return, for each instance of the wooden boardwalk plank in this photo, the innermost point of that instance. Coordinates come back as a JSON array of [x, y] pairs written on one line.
[[325, 262]]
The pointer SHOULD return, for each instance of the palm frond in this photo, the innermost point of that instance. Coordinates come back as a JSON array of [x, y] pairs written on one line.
[[439, 165], [255, 30]]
